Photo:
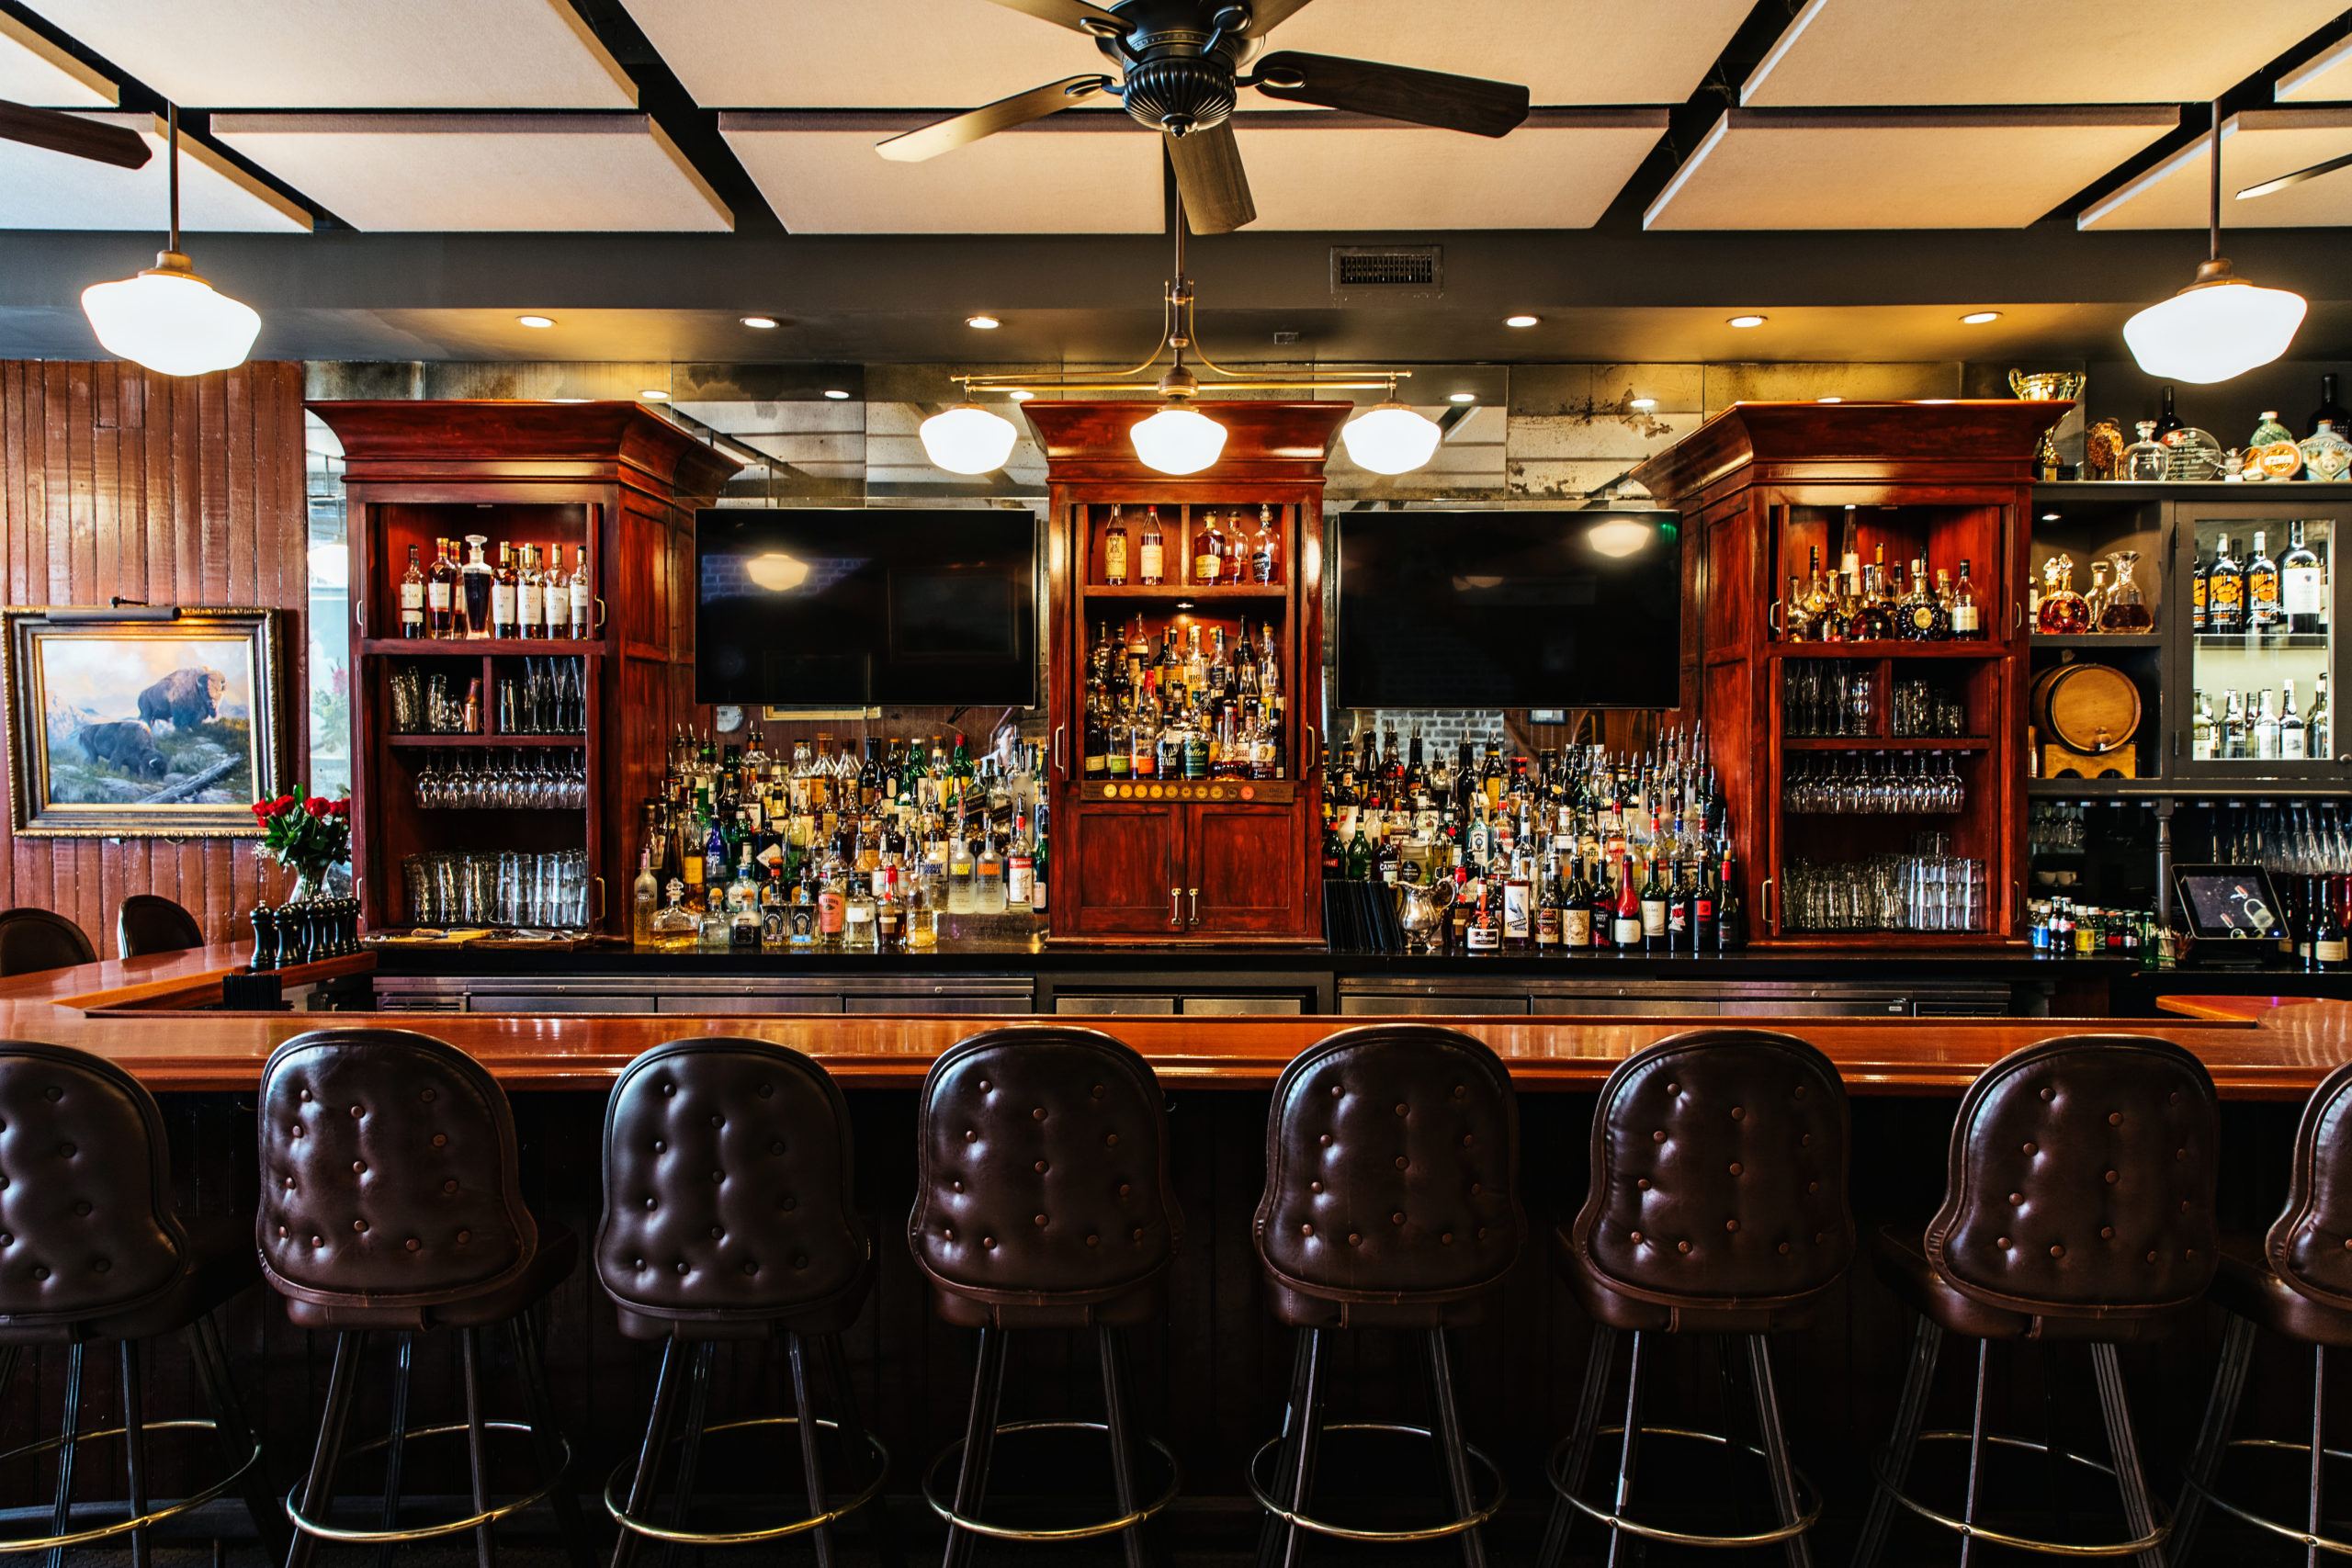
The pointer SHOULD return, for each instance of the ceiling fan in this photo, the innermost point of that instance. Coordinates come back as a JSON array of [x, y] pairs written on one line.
[[1180, 64], [61, 132]]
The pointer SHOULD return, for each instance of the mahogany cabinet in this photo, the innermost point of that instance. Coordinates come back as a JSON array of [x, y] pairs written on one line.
[[1170, 860], [608, 477], [1761, 486]]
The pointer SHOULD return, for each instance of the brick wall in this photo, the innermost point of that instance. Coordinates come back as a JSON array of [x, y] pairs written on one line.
[[1441, 728]]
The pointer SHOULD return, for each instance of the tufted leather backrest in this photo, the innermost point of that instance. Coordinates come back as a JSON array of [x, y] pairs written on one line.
[[2310, 1244], [86, 1211], [1719, 1172], [149, 922], [2082, 1177], [33, 940], [1043, 1174], [726, 1184], [388, 1171], [1392, 1167]]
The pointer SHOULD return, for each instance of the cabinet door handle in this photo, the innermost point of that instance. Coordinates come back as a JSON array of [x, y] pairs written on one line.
[[1175, 907], [1767, 902], [1314, 761], [1194, 894], [1773, 618], [1057, 750], [600, 901], [598, 629]]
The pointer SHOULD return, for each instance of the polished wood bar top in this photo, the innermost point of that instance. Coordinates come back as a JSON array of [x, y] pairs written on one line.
[[149, 1015]]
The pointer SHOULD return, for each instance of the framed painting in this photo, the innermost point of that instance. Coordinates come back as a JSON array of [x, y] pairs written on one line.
[[140, 724]]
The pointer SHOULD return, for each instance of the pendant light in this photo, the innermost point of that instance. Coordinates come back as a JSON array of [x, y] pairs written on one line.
[[2220, 326], [167, 318], [1179, 439], [1390, 438], [967, 439]]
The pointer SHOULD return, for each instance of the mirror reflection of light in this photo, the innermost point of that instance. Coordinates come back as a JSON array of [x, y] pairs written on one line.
[[776, 572], [1622, 537]]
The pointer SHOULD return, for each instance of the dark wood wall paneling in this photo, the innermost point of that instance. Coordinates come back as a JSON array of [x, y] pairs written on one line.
[[173, 490]]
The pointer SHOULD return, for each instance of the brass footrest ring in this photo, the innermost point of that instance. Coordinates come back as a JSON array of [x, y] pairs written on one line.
[[1069, 1532], [2300, 1537], [1469, 1521], [1554, 1465], [309, 1526], [625, 1471], [123, 1527], [2148, 1543]]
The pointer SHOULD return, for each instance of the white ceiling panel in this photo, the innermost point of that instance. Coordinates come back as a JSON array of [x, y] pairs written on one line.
[[1989, 168], [1559, 171], [35, 70], [2326, 77], [40, 190], [2023, 51], [2260, 144], [1091, 174], [584, 172], [411, 54]]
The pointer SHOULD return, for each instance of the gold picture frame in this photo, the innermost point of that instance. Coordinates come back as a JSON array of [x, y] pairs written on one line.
[[136, 723]]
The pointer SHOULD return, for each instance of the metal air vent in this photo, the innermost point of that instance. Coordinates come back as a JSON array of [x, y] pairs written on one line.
[[1367, 272]]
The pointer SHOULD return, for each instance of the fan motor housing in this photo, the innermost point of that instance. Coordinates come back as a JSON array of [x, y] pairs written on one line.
[[1174, 80]]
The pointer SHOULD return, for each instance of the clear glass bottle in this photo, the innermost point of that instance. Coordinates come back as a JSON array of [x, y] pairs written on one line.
[[555, 598], [2146, 459], [1151, 564], [582, 592], [889, 912], [743, 907], [2063, 610], [644, 902], [675, 929], [530, 595], [1264, 552], [2294, 731], [476, 582], [960, 868], [442, 600], [2127, 607], [503, 595], [987, 878], [2271, 452], [2319, 724], [1019, 867], [2095, 602], [858, 910], [924, 896], [2326, 455], [412, 597], [1114, 551]]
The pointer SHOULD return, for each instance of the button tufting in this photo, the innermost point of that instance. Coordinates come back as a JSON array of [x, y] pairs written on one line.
[[1397, 1218], [2017, 1197], [440, 1140], [52, 1094], [450, 1185], [969, 1135], [412, 1244], [1325, 1140], [1785, 1250], [789, 1204], [2057, 1252], [1039, 1222], [2049, 1094], [749, 1267], [2115, 1119], [359, 1225], [985, 1085], [1041, 1167], [1681, 1247], [464, 1236], [2001, 1241], [1674, 1089], [776, 1146], [1731, 1224], [800, 1260], [1736, 1168], [1637, 1237], [1400, 1162], [359, 1167], [1318, 1187], [1355, 1238], [718, 1176], [989, 1242], [100, 1265], [767, 1091], [2110, 1176], [1093, 1239], [357, 1112], [2029, 1148], [718, 1121], [661, 1145], [1039, 1115], [306, 1095], [1658, 1136], [1738, 1114], [680, 1266], [81, 1207], [427, 1097], [1111, 1140], [1335, 1091], [40, 1272], [717, 1233], [651, 1204], [1401, 1108], [2106, 1233], [668, 1090], [1643, 1183], [2152, 1257]]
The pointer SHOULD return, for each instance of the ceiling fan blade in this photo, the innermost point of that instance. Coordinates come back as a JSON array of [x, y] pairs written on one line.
[[1266, 16], [59, 132], [1210, 177], [2298, 177], [1394, 91], [1076, 14], [914, 146]]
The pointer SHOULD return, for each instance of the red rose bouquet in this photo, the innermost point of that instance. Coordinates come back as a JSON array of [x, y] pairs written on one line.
[[306, 835]]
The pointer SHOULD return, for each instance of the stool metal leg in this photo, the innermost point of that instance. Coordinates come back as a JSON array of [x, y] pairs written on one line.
[[649, 1458], [403, 1359], [1776, 1446], [318, 1491], [2212, 1437], [547, 1445], [850, 1430], [1976, 1450], [1582, 1436], [1457, 1461], [1910, 1413], [2124, 1449], [1310, 1441], [1270, 1533], [133, 1390], [980, 1444], [1626, 1452], [1116, 1416], [2319, 1454], [690, 1449], [813, 1467], [61, 1515], [234, 1436], [477, 1455]]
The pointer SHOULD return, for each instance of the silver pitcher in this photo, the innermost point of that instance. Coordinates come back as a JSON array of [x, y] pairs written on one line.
[[1422, 908]]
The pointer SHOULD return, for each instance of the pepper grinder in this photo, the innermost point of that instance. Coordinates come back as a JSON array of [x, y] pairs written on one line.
[[293, 935], [265, 940]]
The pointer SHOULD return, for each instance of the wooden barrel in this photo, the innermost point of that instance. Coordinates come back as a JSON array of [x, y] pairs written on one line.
[[2086, 707]]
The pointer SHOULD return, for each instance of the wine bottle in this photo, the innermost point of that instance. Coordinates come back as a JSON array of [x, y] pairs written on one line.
[[1731, 916], [1656, 923], [2168, 421], [2329, 409], [1625, 924], [2303, 584]]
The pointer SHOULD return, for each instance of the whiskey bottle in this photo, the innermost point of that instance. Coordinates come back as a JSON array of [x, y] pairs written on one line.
[[441, 592], [1869, 621], [2200, 586], [1551, 912], [2293, 731], [1114, 551], [502, 605], [645, 896], [2201, 733], [1518, 924], [583, 595], [555, 598], [2224, 591], [1923, 617], [2264, 611], [2303, 584], [1825, 618], [1208, 552], [1152, 566], [2265, 729], [530, 595], [475, 605], [1967, 614], [412, 597], [1263, 550]]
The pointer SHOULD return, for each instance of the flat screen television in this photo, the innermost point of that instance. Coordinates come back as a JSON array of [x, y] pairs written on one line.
[[1509, 609], [831, 607]]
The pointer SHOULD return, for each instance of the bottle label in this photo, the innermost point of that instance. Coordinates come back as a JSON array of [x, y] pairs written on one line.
[[1923, 617], [1653, 917], [580, 598], [829, 909], [1484, 936], [1963, 617], [2329, 951], [558, 610], [1154, 561], [804, 924], [1677, 918], [1204, 567], [2221, 591], [1020, 872], [436, 596], [411, 598], [1515, 911], [533, 604], [1549, 932], [1575, 926], [743, 934], [2291, 742], [2306, 591], [1115, 558], [502, 603], [1625, 931]]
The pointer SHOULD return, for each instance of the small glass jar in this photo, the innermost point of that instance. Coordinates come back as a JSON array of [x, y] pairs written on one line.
[[2146, 459]]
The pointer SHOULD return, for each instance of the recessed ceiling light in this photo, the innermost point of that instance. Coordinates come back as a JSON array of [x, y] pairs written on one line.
[[1746, 321], [1644, 404], [1979, 318], [2050, 517], [761, 323], [569, 400], [1021, 394], [982, 323], [1462, 398], [536, 320], [653, 396], [1521, 321], [836, 394], [1828, 399]]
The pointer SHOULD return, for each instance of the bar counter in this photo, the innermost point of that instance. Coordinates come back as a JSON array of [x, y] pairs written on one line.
[[160, 1018]]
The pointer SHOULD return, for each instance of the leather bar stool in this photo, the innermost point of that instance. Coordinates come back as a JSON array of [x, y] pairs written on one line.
[[1391, 1202], [1718, 1205], [1043, 1202], [2078, 1207], [2295, 1283], [91, 1253], [149, 922], [33, 940], [389, 1205], [727, 1217]]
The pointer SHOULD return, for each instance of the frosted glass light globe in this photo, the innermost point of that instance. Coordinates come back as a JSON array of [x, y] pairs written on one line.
[[1390, 439], [967, 439], [171, 320], [1178, 440], [2217, 327]]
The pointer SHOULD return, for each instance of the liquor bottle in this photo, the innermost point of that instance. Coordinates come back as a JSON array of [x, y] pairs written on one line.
[[1264, 552], [1518, 923], [2201, 737], [555, 597], [2294, 732], [857, 910], [2328, 947], [1208, 552], [2265, 729], [743, 908], [1037, 854], [1967, 614], [530, 595], [2263, 612], [1824, 620], [1731, 916], [1625, 920], [1114, 551], [1098, 738], [1153, 565], [645, 896], [2224, 591], [2329, 412], [2230, 737], [1576, 910], [504, 595], [1020, 867], [1551, 912], [675, 929], [1868, 620], [2303, 584], [583, 596], [475, 583], [1705, 896], [2319, 724], [2272, 452], [2199, 588], [412, 597], [800, 919], [1923, 617], [2167, 422], [441, 592], [1654, 901], [1484, 936]]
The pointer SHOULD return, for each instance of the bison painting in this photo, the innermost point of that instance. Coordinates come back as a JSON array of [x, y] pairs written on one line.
[[123, 743], [185, 697]]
